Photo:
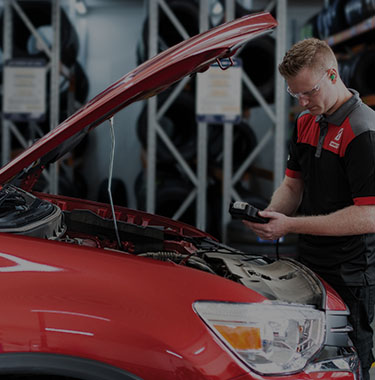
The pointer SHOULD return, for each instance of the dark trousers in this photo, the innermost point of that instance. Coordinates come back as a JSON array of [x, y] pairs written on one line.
[[361, 302]]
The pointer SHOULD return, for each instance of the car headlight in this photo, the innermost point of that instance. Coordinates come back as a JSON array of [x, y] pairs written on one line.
[[271, 338]]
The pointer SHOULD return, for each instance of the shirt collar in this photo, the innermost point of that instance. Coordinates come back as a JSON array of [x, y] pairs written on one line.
[[338, 117]]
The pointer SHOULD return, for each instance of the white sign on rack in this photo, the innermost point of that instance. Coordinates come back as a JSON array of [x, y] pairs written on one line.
[[219, 93], [24, 91]]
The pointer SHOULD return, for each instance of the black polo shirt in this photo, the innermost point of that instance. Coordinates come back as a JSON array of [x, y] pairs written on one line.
[[335, 157]]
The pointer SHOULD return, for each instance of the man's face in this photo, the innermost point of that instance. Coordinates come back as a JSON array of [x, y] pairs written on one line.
[[313, 90]]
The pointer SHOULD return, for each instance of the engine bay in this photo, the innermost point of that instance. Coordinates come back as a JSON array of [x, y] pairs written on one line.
[[91, 224]]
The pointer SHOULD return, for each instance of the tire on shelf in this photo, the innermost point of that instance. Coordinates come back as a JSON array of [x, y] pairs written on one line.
[[79, 86], [171, 191], [217, 11], [70, 183], [358, 10], [39, 13], [357, 71], [118, 191], [260, 70], [187, 12], [80, 95], [244, 142], [178, 122], [331, 19], [80, 89], [76, 187]]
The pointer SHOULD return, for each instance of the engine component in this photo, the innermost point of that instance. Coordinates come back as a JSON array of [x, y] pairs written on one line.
[[24, 214]]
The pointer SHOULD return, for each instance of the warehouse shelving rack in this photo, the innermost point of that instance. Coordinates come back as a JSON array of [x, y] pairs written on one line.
[[54, 66], [199, 179], [356, 30]]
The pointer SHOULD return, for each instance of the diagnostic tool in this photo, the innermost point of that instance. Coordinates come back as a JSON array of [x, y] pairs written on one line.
[[244, 210]]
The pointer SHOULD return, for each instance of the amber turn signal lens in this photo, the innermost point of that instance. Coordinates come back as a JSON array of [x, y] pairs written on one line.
[[241, 337]]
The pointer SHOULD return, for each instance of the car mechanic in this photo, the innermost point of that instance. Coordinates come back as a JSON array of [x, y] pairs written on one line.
[[328, 192]]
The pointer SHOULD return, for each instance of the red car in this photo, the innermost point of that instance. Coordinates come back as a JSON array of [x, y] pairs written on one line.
[[85, 296]]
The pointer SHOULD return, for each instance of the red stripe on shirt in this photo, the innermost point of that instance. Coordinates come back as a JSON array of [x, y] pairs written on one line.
[[335, 141], [308, 130], [292, 173], [364, 201]]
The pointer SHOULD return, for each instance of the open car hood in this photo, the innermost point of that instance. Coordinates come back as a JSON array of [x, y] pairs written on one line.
[[153, 76]]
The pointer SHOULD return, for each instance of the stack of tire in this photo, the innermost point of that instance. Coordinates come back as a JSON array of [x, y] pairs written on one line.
[[336, 16], [24, 45], [356, 65], [357, 71], [173, 187], [261, 69], [179, 121]]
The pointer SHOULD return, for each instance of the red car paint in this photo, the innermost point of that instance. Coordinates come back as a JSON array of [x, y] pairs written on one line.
[[70, 301], [78, 307]]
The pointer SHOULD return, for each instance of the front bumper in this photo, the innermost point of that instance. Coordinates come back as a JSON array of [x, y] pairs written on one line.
[[346, 362], [327, 366]]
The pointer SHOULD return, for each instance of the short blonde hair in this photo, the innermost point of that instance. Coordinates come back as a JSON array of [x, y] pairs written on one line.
[[312, 53]]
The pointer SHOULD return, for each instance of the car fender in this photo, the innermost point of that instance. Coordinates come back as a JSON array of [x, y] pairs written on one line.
[[111, 307]]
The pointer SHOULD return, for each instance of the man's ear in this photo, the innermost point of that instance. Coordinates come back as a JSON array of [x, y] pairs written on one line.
[[333, 75]]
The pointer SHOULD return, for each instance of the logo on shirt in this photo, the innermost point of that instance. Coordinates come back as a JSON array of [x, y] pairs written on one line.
[[335, 142]]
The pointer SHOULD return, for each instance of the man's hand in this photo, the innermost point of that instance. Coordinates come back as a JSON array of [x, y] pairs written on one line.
[[277, 226], [351, 220]]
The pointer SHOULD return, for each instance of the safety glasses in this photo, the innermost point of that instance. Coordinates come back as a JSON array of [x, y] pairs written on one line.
[[310, 93]]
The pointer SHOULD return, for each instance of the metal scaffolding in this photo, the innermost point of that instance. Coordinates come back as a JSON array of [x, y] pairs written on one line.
[[55, 68], [199, 179]]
